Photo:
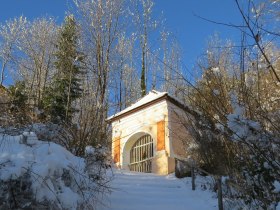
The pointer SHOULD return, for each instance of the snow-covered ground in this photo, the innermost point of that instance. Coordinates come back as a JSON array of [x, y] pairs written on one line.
[[51, 170], [50, 175], [141, 191]]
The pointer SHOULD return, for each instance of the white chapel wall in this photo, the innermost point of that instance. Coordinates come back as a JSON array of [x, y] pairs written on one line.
[[142, 121]]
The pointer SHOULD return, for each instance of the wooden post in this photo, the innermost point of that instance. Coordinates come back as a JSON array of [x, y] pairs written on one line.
[[220, 192], [193, 178]]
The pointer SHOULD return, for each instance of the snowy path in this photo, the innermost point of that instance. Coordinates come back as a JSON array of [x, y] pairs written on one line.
[[138, 191]]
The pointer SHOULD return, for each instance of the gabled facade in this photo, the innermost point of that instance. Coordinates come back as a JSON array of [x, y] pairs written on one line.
[[149, 135]]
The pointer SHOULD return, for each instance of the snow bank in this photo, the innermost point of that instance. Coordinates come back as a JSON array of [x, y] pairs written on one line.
[[56, 176]]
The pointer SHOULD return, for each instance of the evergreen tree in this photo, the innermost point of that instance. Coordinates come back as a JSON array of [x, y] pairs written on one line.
[[65, 88], [143, 77]]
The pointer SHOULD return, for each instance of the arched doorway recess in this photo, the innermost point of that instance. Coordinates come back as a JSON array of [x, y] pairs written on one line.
[[141, 154]]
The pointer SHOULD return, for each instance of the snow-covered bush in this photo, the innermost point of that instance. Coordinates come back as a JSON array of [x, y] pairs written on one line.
[[245, 147], [43, 175], [257, 166]]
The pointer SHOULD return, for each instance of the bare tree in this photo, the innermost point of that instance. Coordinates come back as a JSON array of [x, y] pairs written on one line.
[[34, 62], [101, 23], [9, 39], [126, 85], [255, 16], [100, 26], [145, 24]]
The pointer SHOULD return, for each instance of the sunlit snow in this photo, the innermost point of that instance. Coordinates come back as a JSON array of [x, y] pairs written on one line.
[[142, 191]]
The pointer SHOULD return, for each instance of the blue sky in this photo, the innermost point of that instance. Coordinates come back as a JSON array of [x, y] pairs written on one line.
[[191, 31]]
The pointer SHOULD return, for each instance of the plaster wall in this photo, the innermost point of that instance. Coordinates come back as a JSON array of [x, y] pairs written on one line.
[[178, 135]]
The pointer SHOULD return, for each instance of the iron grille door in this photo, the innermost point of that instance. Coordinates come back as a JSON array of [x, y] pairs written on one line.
[[141, 155]]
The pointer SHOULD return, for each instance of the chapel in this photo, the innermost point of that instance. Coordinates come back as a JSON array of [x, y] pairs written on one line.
[[149, 135]]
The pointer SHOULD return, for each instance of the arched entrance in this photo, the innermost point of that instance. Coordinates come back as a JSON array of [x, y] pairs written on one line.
[[141, 154]]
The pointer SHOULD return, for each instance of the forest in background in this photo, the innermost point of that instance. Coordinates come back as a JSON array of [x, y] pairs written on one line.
[[109, 53], [105, 56]]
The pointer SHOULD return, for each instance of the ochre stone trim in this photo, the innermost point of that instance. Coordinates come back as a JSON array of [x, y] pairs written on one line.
[[161, 135], [117, 149]]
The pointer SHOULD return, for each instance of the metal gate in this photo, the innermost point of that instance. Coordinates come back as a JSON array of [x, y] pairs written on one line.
[[141, 155]]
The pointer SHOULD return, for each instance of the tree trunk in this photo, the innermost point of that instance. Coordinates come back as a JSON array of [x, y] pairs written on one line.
[[143, 76], [193, 178], [2, 72]]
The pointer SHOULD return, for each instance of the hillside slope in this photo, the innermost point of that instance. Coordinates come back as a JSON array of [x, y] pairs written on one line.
[[139, 191]]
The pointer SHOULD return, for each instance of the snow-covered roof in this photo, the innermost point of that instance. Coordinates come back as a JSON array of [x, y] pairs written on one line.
[[150, 97]]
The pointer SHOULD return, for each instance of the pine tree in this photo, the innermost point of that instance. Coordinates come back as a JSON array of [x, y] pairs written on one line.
[[65, 88], [143, 76]]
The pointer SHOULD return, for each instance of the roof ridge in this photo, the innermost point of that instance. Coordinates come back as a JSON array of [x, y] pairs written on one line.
[[139, 99]]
